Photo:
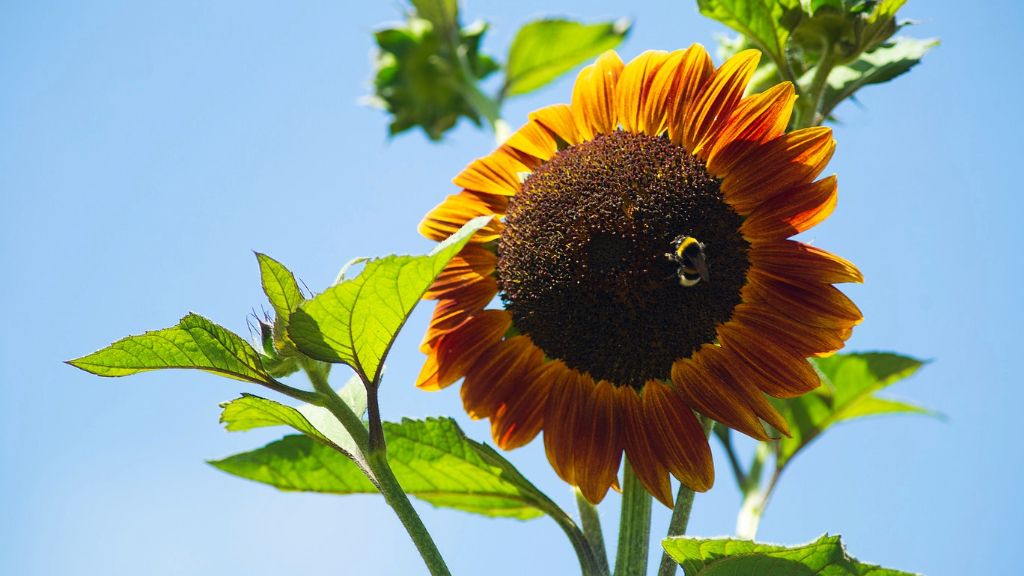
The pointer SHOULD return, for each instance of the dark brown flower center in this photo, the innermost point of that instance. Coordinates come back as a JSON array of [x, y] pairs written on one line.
[[582, 263]]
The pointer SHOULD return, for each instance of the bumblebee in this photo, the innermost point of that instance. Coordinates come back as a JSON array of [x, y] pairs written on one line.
[[688, 253]]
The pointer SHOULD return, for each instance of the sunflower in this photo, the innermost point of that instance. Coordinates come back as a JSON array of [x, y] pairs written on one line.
[[640, 250]]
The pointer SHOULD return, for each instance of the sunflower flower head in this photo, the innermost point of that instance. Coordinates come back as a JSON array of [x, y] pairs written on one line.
[[640, 251]]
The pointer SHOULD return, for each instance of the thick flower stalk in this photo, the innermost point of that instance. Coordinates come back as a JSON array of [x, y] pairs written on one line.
[[640, 250]]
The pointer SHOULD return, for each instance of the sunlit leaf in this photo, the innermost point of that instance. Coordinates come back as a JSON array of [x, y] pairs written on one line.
[[730, 557], [283, 292], [432, 459], [356, 321], [875, 67], [299, 463], [195, 343], [545, 49], [318, 423], [849, 384], [279, 285]]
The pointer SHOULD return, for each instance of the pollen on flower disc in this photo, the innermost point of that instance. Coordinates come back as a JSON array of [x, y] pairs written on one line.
[[582, 264]]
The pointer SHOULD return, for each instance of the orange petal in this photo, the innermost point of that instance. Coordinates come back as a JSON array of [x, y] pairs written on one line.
[[558, 120], [678, 436], [600, 437], [743, 381], [499, 375], [641, 451], [812, 303], [789, 260], [521, 417], [765, 171], [497, 173], [678, 84], [569, 402], [593, 96], [458, 305], [534, 140], [714, 397], [472, 265], [793, 211], [756, 120], [782, 373], [447, 217], [802, 339], [718, 98], [634, 89], [455, 352]]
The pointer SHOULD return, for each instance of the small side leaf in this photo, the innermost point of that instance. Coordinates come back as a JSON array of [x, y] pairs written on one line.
[[279, 285], [849, 384], [731, 557], [284, 294], [195, 343], [356, 321], [432, 459], [545, 49], [318, 423]]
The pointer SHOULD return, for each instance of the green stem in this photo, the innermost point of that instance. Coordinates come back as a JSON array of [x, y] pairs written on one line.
[[395, 496], [677, 527], [303, 395], [634, 526], [328, 398], [811, 116], [371, 443], [592, 530], [681, 511], [755, 499], [734, 462], [487, 107]]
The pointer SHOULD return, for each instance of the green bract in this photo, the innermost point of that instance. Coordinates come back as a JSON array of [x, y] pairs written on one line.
[[423, 74]]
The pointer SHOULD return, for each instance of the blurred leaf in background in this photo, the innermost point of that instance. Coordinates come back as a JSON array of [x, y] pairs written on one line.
[[424, 66], [428, 70]]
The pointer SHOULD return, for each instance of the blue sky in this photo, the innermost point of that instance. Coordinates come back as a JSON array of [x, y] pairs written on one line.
[[147, 148]]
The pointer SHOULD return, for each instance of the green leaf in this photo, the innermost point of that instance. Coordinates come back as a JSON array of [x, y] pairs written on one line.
[[764, 22], [849, 384], [432, 459], [545, 49], [875, 67], [356, 321], [279, 285], [284, 294], [195, 343], [730, 557], [299, 463]]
